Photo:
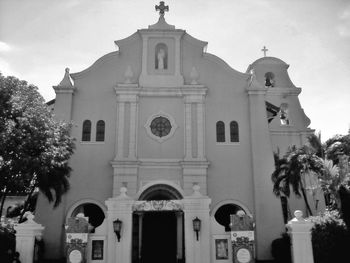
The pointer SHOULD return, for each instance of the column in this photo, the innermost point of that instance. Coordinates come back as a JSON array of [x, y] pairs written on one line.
[[200, 130], [120, 129], [299, 230], [133, 127], [25, 238], [179, 235], [188, 130], [140, 235]]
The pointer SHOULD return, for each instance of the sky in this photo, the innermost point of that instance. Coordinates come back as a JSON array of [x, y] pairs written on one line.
[[40, 38]]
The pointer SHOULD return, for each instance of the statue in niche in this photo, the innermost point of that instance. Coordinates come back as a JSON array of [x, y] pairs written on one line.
[[161, 57]]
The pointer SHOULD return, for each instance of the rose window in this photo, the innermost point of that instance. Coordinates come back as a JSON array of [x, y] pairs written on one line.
[[160, 126]]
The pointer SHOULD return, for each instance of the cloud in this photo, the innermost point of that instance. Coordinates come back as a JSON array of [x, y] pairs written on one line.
[[5, 47], [343, 28], [6, 69]]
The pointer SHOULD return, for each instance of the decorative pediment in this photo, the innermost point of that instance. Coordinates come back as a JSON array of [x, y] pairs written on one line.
[[158, 205]]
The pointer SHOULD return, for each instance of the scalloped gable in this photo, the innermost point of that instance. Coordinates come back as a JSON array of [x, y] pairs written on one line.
[[275, 65], [96, 64], [121, 45], [213, 58]]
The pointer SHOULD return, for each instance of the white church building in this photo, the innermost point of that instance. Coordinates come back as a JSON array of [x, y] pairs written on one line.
[[167, 133]]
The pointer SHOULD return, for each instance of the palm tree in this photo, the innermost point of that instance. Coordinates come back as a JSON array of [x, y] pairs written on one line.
[[291, 171], [280, 184]]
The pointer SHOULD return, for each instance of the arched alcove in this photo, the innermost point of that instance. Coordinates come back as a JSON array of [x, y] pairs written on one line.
[[224, 209], [160, 192], [90, 209]]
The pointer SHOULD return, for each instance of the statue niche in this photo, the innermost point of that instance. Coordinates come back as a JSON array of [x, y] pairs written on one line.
[[161, 56]]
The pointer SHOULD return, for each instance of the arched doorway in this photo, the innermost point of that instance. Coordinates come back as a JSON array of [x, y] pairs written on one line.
[[158, 234]]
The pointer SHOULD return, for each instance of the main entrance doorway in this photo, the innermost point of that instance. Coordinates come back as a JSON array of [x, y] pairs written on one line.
[[159, 237], [158, 233]]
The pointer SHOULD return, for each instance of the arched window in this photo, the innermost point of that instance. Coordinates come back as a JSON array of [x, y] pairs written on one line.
[[86, 135], [220, 131], [234, 134], [100, 131]]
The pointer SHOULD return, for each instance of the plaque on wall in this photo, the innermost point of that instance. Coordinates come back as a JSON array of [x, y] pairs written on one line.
[[221, 249], [243, 255], [75, 256], [97, 250]]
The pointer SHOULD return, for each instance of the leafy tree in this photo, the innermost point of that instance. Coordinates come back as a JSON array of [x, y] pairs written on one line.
[[337, 146], [34, 147]]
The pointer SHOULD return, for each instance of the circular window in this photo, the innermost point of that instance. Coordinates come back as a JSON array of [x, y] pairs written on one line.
[[160, 126]]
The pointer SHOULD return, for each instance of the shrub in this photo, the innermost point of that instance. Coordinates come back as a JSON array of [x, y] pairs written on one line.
[[330, 238], [281, 250], [7, 240]]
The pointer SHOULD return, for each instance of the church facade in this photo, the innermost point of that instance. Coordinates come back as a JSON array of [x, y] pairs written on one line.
[[168, 134]]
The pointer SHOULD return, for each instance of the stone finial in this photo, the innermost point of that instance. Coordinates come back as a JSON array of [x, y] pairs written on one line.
[[66, 82], [194, 76], [196, 192], [123, 191], [30, 217], [128, 75], [298, 215]]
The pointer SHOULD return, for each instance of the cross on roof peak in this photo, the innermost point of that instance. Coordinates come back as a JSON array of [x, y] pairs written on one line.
[[264, 50], [162, 8]]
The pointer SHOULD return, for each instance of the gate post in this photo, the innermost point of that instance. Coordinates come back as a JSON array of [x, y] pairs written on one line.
[[299, 230], [120, 207], [197, 206], [25, 238]]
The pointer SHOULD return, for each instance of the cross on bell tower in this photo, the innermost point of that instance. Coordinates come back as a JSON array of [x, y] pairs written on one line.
[[162, 8], [264, 50]]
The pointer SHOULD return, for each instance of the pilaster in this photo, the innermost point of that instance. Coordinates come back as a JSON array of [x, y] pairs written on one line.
[[125, 164], [267, 209], [188, 130]]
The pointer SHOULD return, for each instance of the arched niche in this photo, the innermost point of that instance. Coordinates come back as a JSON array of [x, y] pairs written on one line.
[[161, 56]]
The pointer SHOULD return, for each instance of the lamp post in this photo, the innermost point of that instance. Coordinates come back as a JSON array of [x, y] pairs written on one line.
[[196, 226], [117, 227]]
